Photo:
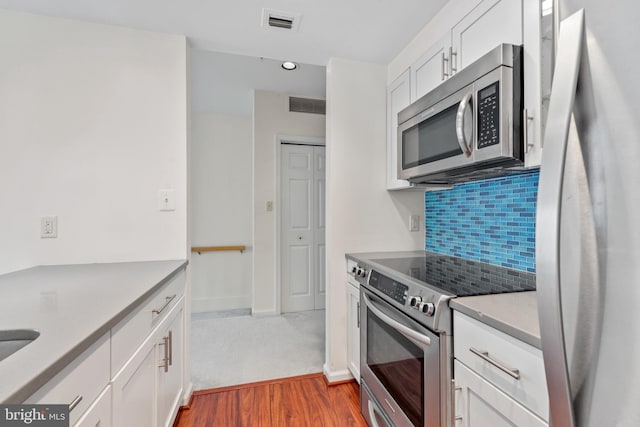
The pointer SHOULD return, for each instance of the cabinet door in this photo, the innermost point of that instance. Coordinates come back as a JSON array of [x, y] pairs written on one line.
[[99, 413], [353, 334], [489, 24], [480, 404], [431, 69], [398, 97], [170, 354], [134, 389]]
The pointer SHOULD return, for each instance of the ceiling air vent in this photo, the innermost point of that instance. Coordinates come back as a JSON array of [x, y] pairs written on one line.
[[307, 105], [280, 20]]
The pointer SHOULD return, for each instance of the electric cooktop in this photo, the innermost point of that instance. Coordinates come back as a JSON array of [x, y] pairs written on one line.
[[461, 277]]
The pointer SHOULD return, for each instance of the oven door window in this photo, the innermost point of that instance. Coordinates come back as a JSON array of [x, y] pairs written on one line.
[[431, 140], [399, 365]]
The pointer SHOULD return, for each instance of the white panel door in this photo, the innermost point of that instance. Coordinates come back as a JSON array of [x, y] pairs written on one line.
[[489, 24], [302, 227], [169, 343]]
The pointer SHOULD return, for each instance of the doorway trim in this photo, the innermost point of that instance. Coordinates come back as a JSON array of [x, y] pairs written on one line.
[[285, 139]]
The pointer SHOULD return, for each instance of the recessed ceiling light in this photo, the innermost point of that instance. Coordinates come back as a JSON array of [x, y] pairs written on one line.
[[289, 66]]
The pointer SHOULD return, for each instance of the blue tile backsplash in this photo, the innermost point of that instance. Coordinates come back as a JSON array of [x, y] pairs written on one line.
[[490, 221]]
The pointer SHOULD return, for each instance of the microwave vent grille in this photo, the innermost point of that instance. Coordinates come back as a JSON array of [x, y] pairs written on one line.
[[307, 105]]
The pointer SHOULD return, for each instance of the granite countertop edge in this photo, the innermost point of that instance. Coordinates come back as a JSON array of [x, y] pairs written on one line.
[[157, 273]]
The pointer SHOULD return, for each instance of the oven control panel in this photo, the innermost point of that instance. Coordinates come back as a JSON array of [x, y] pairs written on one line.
[[389, 287]]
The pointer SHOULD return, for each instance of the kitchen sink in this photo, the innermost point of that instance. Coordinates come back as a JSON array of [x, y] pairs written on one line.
[[14, 339]]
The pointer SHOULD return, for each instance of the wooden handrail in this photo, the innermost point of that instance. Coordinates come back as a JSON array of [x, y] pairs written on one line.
[[201, 249]]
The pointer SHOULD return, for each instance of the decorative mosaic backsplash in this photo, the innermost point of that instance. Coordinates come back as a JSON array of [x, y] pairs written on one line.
[[491, 221]]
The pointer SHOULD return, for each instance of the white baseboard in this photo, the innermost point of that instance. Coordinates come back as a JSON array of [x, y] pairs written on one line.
[[186, 396], [264, 313], [336, 376], [201, 305]]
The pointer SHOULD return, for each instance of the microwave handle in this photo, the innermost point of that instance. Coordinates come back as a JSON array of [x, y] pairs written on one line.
[[462, 140]]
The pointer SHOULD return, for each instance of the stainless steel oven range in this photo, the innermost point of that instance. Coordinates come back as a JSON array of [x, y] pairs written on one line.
[[406, 331]]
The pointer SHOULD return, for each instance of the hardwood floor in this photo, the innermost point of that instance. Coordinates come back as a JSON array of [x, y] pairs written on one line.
[[289, 402]]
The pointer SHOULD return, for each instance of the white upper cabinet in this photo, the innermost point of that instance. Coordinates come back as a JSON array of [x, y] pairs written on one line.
[[398, 97], [432, 68], [489, 24], [475, 32]]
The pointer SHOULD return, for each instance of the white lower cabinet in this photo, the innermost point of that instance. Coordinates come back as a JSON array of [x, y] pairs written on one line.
[[148, 389], [479, 404], [499, 380], [353, 333], [99, 413], [170, 373], [133, 388]]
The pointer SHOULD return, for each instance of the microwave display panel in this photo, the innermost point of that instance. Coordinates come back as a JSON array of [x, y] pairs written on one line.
[[489, 115], [430, 140]]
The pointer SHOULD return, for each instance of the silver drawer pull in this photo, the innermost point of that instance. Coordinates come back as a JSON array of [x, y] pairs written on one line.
[[484, 355], [75, 402], [165, 359], [166, 303], [170, 338]]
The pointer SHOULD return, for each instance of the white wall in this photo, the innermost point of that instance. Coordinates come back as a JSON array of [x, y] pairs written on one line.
[[361, 214], [221, 210], [438, 27], [271, 118], [93, 122]]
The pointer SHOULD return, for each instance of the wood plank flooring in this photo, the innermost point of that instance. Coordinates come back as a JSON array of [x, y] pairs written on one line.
[[301, 401]]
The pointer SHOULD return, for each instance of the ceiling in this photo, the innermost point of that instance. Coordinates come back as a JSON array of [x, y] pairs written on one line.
[[364, 30], [224, 83]]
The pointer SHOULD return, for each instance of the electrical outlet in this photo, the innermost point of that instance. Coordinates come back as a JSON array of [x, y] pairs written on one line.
[[48, 227], [166, 200], [414, 223]]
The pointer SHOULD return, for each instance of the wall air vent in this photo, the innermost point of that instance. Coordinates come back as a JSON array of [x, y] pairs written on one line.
[[307, 105], [279, 20]]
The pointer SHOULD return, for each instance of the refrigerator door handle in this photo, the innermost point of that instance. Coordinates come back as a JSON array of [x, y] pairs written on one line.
[[569, 55]]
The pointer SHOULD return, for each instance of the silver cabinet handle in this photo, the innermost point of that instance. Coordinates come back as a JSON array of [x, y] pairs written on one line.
[[526, 118], [442, 68], [75, 402], [170, 348], [454, 417], [452, 54], [462, 140], [569, 56], [358, 314], [165, 305], [165, 359], [484, 355], [404, 330]]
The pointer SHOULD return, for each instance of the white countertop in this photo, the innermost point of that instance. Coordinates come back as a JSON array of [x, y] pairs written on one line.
[[71, 306], [515, 314]]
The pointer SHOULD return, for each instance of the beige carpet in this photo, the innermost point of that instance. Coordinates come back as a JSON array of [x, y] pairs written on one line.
[[241, 349]]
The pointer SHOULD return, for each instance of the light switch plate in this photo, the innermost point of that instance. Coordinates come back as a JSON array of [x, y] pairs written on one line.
[[167, 200], [414, 223]]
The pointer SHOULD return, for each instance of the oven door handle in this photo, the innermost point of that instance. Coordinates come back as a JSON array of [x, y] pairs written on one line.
[[404, 330]]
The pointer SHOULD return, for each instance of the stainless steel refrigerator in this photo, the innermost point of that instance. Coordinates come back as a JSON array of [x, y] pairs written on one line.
[[588, 218]]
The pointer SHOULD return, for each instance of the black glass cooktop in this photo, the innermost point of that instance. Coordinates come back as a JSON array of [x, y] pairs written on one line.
[[461, 277]]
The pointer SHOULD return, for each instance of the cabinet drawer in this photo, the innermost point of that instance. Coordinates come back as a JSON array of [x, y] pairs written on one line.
[[82, 380], [530, 389], [130, 333], [99, 414]]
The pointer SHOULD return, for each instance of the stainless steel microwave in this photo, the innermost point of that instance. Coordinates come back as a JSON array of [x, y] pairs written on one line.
[[469, 127]]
